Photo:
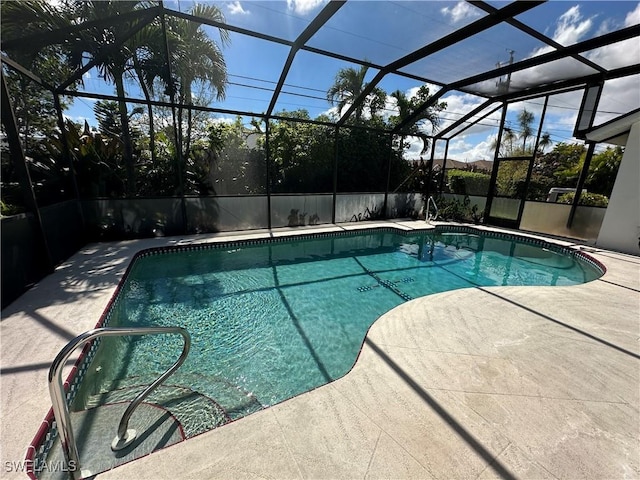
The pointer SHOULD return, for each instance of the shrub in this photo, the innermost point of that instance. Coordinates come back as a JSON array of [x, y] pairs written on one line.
[[468, 183], [6, 209], [586, 199], [456, 211]]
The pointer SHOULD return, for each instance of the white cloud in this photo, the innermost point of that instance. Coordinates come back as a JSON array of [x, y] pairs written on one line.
[[460, 11], [415, 147], [616, 55], [571, 28], [633, 17], [620, 95], [303, 7], [469, 152], [222, 120], [332, 113], [235, 8], [605, 27], [459, 105]]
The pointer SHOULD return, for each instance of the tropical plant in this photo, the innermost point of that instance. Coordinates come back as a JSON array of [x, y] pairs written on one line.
[[407, 106], [507, 143], [525, 121], [348, 86], [454, 210], [109, 120], [603, 170], [195, 57], [564, 163], [509, 146], [149, 63], [29, 17], [225, 164], [363, 161], [107, 47], [97, 160], [586, 198], [33, 106], [301, 155], [7, 209], [558, 168], [511, 178], [545, 141]]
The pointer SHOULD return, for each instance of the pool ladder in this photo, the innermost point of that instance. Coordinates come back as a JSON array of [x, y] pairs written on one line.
[[125, 436], [428, 216]]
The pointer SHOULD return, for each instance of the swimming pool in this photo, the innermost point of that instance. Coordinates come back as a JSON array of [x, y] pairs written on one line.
[[272, 319]]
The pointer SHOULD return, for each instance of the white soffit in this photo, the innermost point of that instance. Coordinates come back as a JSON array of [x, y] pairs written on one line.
[[615, 131]]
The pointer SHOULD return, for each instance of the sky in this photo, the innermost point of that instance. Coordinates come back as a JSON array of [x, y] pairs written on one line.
[[381, 32]]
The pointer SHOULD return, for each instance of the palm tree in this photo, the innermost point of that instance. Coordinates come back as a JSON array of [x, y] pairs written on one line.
[[404, 110], [545, 141], [407, 106], [348, 86], [525, 119], [195, 57], [35, 112], [402, 103], [149, 63], [26, 18], [506, 142], [509, 137], [112, 67]]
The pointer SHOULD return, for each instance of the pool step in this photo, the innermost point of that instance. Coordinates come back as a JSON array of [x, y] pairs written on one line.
[[236, 401], [95, 428], [195, 412], [170, 414]]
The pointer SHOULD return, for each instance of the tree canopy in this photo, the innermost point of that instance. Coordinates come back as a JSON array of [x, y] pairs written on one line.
[[156, 150]]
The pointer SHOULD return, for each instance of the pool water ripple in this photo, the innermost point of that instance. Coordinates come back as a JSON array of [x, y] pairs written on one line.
[[271, 321]]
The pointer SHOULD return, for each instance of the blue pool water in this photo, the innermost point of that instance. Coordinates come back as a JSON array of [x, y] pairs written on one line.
[[273, 320]]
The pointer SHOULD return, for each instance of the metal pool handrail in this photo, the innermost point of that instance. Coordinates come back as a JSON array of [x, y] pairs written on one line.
[[124, 436], [435, 207]]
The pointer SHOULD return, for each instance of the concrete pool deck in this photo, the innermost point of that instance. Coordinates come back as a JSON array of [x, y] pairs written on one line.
[[487, 382]]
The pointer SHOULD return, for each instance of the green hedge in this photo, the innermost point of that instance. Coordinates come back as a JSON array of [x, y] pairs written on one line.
[[586, 199], [468, 183]]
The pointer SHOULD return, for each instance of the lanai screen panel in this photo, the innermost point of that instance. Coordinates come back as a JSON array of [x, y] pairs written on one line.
[[619, 96], [275, 18], [616, 55], [476, 54], [381, 32], [571, 22], [545, 74], [401, 89], [308, 82], [486, 117], [253, 68]]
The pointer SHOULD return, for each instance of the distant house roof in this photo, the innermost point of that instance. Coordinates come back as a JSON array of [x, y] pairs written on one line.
[[457, 164]]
